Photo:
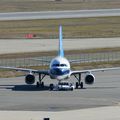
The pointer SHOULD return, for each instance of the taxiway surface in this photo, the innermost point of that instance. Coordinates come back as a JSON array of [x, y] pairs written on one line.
[[15, 95], [59, 14], [39, 45]]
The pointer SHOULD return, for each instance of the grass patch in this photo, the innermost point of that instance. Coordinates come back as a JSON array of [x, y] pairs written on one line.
[[72, 28], [47, 5]]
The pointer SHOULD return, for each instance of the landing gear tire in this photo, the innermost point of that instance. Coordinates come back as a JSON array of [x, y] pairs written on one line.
[[77, 84], [37, 84], [51, 86], [81, 85], [42, 84], [71, 89]]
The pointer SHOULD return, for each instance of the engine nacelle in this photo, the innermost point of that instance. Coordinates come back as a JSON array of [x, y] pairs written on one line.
[[30, 79], [89, 79]]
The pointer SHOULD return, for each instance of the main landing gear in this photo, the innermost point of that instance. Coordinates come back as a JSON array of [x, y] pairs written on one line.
[[40, 83], [51, 87], [79, 84]]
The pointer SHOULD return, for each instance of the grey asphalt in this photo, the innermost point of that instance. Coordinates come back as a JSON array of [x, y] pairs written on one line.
[[15, 95], [59, 14], [101, 113]]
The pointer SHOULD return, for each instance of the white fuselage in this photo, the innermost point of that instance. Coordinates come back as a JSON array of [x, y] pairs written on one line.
[[59, 68]]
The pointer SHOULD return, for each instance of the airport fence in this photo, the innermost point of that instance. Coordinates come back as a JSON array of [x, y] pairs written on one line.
[[75, 58]]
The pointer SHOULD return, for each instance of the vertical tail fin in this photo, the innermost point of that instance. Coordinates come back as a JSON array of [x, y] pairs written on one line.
[[61, 51]]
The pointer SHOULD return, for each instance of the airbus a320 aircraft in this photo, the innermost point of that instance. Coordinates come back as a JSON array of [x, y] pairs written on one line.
[[59, 69]]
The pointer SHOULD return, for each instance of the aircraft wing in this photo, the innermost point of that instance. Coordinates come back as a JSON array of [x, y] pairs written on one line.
[[46, 72], [94, 70]]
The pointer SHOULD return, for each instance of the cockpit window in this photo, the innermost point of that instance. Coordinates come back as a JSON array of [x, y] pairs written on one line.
[[57, 71], [62, 65], [57, 65]]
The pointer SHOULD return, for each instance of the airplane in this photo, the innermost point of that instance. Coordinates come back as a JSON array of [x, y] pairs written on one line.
[[59, 69]]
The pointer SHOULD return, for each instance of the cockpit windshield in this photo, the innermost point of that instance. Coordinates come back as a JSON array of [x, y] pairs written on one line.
[[57, 71], [59, 65]]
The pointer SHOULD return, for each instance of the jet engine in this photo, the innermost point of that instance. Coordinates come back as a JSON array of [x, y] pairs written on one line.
[[89, 79], [30, 79]]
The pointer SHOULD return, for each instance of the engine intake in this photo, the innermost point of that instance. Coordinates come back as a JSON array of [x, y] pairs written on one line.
[[30, 79], [89, 79]]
